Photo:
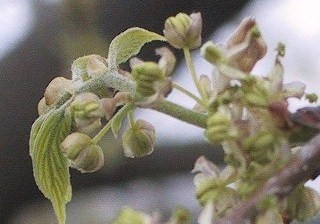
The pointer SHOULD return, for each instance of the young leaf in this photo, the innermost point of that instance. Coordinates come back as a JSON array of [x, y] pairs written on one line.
[[50, 168], [128, 44]]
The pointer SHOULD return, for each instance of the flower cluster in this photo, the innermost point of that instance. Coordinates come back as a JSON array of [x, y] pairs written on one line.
[[246, 114], [249, 117]]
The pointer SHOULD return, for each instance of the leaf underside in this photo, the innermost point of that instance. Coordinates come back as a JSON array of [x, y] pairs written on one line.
[[50, 167], [128, 44]]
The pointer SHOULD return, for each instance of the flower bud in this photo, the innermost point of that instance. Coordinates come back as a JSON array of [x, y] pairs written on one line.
[[212, 53], [262, 139], [85, 67], [82, 153], [219, 128], [180, 216], [56, 88], [86, 105], [303, 203], [109, 105], [43, 107], [312, 97], [183, 31], [138, 140], [148, 77], [270, 216], [87, 112], [167, 61], [130, 216]]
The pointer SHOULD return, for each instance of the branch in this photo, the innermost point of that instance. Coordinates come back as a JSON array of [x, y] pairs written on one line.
[[302, 167]]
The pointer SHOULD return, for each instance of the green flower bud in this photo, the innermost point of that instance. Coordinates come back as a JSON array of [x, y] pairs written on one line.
[[180, 216], [148, 77], [269, 216], [219, 128], [212, 53], [86, 105], [303, 203], [312, 97], [130, 216], [281, 49], [85, 67], [263, 139], [261, 146], [56, 88], [183, 31], [87, 112], [82, 153], [138, 140]]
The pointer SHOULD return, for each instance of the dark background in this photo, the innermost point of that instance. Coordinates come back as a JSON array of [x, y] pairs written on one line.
[[62, 33]]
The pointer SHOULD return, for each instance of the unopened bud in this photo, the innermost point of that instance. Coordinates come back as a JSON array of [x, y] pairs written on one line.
[[181, 216], [148, 77], [270, 216], [87, 112], [219, 128], [211, 53], [138, 140], [82, 153], [109, 105], [85, 67], [86, 105], [130, 216], [303, 203], [312, 97], [56, 88], [43, 107], [183, 31], [167, 61]]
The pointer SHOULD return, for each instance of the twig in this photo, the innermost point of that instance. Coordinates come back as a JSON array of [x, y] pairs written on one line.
[[302, 167]]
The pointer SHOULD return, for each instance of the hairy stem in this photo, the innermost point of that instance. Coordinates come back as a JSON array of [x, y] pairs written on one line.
[[113, 79], [181, 113]]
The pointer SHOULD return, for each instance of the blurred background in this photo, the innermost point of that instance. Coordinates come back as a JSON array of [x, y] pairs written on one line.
[[40, 39]]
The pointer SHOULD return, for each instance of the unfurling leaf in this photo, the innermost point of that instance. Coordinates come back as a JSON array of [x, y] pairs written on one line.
[[128, 44], [50, 167]]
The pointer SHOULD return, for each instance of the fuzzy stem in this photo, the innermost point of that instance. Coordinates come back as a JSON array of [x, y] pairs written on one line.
[[113, 79], [181, 113]]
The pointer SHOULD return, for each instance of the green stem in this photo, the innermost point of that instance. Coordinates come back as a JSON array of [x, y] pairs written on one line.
[[186, 92], [113, 79], [181, 113], [124, 110], [193, 73]]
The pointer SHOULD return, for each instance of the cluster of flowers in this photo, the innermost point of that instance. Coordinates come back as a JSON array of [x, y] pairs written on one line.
[[248, 115]]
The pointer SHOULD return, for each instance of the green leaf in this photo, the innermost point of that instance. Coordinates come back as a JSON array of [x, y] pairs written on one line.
[[128, 44], [50, 167]]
